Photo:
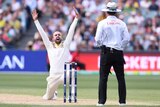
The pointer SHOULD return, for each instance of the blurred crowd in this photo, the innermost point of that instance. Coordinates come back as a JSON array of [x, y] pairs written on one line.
[[141, 16], [15, 20], [143, 20]]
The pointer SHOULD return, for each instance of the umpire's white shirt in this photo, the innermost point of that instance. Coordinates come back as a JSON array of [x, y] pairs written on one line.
[[112, 32], [57, 56]]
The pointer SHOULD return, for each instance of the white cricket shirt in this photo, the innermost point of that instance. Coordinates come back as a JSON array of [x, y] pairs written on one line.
[[57, 56], [112, 32]]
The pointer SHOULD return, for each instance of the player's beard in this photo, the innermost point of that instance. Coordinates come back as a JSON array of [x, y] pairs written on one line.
[[58, 41]]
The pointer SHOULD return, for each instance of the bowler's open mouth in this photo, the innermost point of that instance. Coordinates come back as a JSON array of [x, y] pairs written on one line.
[[58, 38]]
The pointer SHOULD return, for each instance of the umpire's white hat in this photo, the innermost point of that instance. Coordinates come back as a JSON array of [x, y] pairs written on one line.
[[111, 7]]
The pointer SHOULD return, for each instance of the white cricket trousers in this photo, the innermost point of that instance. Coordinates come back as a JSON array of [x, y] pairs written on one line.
[[52, 84]]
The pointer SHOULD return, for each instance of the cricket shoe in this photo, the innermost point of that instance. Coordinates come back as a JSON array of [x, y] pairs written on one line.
[[122, 104], [99, 105], [55, 96]]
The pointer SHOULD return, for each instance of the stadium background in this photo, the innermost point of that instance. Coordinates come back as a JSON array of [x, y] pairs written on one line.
[[17, 32], [22, 49]]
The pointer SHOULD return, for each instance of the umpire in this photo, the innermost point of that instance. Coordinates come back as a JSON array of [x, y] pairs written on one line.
[[112, 36]]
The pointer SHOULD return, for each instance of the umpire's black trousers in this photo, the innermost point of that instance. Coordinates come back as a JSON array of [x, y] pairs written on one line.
[[111, 57]]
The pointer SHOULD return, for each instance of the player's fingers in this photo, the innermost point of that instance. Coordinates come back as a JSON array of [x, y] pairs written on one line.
[[34, 12], [75, 10]]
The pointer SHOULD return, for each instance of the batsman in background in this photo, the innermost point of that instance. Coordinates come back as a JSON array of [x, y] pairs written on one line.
[[58, 53]]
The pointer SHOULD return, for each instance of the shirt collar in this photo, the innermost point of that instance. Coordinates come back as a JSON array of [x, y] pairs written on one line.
[[58, 46], [111, 17]]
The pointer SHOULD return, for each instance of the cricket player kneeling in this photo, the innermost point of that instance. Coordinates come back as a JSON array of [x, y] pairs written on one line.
[[58, 54]]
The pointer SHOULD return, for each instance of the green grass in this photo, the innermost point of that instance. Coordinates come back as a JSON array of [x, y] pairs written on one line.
[[139, 88]]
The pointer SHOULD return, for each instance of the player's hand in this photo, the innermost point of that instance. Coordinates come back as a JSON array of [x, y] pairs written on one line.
[[76, 13], [34, 15]]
